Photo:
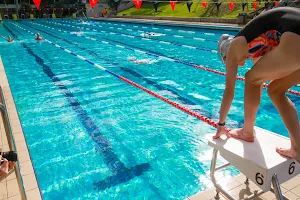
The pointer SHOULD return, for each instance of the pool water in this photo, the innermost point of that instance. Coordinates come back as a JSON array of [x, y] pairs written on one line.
[[93, 136]]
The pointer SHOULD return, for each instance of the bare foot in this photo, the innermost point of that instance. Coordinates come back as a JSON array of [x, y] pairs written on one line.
[[290, 153], [240, 134]]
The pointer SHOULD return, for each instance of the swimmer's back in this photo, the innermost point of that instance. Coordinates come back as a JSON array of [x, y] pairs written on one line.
[[282, 19]]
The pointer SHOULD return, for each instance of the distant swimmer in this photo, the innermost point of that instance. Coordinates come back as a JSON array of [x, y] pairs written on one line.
[[8, 39], [83, 22], [148, 34], [142, 61], [38, 36]]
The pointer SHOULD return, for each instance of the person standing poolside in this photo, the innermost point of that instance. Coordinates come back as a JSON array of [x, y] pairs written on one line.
[[272, 41]]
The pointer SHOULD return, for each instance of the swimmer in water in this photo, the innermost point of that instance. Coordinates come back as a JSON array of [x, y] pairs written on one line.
[[9, 39], [38, 36], [148, 34], [143, 61], [137, 61]]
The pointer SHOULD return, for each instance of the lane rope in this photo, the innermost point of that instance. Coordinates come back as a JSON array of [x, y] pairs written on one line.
[[145, 38], [170, 59], [172, 103], [155, 28], [138, 30], [142, 31]]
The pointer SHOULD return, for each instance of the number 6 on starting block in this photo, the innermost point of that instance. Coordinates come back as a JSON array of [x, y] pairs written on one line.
[[258, 161]]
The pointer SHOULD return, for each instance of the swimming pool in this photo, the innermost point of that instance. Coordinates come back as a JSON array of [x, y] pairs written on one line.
[[93, 136]]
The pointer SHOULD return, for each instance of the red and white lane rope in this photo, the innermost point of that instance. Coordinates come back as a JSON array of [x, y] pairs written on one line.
[[174, 104], [240, 78]]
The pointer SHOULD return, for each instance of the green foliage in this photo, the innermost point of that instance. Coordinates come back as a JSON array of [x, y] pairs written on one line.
[[197, 10]]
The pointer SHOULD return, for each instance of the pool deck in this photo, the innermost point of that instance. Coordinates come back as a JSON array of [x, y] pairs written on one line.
[[9, 189], [220, 26], [239, 190]]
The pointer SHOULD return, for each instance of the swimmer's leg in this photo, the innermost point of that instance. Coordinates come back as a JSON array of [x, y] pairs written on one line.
[[288, 112], [276, 64]]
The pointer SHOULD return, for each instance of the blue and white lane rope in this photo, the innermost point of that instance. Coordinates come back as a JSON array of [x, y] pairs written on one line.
[[154, 28], [195, 66], [144, 38], [135, 49], [172, 103], [142, 31]]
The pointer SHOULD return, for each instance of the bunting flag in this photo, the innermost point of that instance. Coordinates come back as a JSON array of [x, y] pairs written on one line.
[[255, 4], [173, 4], [37, 3], [155, 5], [137, 4], [218, 4], [116, 4], [204, 4], [243, 5], [267, 4], [93, 3], [231, 5], [189, 4]]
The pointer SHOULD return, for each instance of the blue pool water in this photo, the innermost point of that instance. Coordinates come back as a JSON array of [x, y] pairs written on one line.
[[93, 136]]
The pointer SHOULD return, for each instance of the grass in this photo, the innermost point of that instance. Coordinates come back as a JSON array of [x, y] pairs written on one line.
[[197, 10]]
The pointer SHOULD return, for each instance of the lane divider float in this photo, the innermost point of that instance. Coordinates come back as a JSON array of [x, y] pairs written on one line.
[[145, 38], [172, 103], [166, 29], [174, 60]]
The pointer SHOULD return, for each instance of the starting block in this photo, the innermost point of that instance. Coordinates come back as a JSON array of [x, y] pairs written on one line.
[[258, 161]]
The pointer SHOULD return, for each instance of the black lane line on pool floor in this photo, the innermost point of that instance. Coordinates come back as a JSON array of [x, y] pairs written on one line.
[[180, 98], [121, 174]]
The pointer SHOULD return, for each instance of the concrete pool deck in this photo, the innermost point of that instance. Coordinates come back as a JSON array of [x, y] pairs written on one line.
[[239, 190], [217, 26], [9, 189]]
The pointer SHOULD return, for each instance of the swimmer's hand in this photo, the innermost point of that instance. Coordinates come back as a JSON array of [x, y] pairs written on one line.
[[220, 131]]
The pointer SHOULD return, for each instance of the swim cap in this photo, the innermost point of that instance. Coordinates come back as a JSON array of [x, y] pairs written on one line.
[[223, 45]]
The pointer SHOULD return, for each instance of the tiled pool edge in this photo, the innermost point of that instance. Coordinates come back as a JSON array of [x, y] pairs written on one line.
[[27, 171]]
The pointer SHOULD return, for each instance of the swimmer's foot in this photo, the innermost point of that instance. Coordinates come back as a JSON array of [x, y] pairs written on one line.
[[240, 134], [290, 153]]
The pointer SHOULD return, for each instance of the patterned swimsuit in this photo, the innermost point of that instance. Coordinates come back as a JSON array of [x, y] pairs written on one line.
[[264, 31], [264, 43]]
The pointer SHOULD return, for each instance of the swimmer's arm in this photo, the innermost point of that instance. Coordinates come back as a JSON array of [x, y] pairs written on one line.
[[237, 53], [228, 95]]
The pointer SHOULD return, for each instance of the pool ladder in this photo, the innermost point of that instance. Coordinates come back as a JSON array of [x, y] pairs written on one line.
[[12, 145]]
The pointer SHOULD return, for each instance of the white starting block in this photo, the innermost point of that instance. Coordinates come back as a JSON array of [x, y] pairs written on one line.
[[258, 161]]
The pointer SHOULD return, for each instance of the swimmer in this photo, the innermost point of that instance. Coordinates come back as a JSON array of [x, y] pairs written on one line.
[[143, 61], [38, 36], [8, 39], [148, 34], [272, 41]]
